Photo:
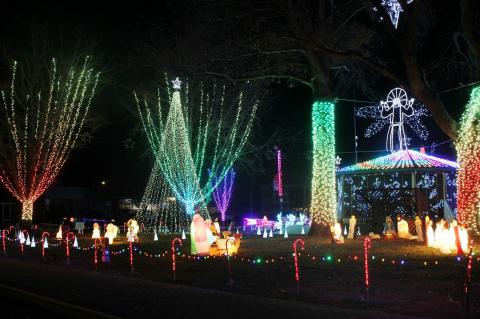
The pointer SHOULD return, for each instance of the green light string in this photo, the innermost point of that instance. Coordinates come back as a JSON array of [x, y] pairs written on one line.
[[181, 162], [323, 201]]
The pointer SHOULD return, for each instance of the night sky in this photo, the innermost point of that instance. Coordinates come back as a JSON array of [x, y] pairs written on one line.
[[116, 34]]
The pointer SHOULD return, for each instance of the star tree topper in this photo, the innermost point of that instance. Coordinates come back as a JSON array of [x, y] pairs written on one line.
[[176, 84]]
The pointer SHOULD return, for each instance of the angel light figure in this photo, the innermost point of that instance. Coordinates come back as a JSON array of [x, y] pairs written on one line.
[[396, 109]]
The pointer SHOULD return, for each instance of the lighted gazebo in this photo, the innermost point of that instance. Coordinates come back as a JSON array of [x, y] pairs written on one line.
[[405, 183]]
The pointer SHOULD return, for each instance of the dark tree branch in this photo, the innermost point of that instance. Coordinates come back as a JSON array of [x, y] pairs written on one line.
[[259, 77]]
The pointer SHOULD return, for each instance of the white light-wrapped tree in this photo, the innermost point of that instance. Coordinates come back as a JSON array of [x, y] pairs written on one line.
[[42, 123]]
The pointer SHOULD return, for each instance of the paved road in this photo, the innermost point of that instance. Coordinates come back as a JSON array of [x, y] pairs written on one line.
[[135, 298]]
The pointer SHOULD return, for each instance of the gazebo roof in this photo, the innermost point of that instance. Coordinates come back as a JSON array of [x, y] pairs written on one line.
[[407, 160]]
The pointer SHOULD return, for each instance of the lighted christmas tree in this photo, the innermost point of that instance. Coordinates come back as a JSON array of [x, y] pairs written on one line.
[[44, 124], [193, 137], [323, 202], [159, 208], [468, 153]]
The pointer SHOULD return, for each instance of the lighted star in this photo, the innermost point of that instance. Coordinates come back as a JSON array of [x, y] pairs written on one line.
[[394, 9], [176, 84]]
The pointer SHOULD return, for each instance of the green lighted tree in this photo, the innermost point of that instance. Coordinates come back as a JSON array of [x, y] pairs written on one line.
[[189, 141]]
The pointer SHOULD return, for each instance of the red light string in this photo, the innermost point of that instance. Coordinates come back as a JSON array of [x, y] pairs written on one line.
[[67, 235], [24, 231], [295, 257], [366, 245], [95, 253], [174, 265], [3, 241], [44, 235], [468, 280], [130, 246]]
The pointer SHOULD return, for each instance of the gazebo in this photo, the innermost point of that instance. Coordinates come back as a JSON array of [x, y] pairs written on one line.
[[405, 182]]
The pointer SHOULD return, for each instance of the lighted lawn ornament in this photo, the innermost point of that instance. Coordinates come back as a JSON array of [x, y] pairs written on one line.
[[295, 258], [96, 231], [183, 235], [265, 234], [155, 236], [403, 231], [270, 234], [439, 225], [32, 243], [44, 243], [429, 232], [337, 234], [75, 242], [367, 244], [79, 227], [345, 232], [27, 242], [174, 265], [68, 236], [132, 230], [22, 240], [351, 227], [198, 235], [216, 224], [59, 235], [464, 239], [111, 233], [208, 230], [285, 235], [5, 232], [419, 228], [445, 239], [389, 230], [259, 232], [280, 223], [455, 238]]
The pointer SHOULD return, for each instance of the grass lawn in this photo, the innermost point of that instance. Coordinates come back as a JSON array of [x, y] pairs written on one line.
[[405, 277]]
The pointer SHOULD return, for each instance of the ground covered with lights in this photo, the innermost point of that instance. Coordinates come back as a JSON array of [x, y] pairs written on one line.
[[405, 277]]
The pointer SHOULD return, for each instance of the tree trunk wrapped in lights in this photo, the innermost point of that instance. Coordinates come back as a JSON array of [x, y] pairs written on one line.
[[191, 139], [468, 153], [43, 127], [323, 202]]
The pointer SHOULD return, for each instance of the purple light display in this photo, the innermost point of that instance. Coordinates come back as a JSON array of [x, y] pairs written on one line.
[[223, 192]]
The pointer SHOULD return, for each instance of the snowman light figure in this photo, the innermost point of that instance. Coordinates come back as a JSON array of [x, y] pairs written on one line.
[[396, 108]]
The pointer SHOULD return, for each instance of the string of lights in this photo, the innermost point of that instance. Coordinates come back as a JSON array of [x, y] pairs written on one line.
[[43, 129], [223, 192], [323, 202], [468, 153], [180, 144]]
